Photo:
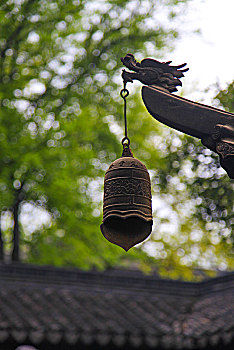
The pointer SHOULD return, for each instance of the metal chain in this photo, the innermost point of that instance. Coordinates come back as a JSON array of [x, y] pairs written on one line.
[[124, 94]]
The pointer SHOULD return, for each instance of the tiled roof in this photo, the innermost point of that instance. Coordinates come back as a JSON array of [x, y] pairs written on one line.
[[114, 309]]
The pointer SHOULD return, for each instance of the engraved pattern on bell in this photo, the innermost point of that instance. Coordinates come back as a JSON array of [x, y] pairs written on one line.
[[127, 208], [129, 186]]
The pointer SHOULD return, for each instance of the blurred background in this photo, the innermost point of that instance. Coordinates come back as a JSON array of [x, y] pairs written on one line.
[[61, 125]]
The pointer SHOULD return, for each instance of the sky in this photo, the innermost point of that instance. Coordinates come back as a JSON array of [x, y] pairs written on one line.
[[210, 55]]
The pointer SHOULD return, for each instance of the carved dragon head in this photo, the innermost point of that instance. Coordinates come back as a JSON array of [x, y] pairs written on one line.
[[129, 62]]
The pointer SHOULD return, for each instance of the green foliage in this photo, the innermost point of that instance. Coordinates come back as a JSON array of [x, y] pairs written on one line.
[[60, 127], [226, 98]]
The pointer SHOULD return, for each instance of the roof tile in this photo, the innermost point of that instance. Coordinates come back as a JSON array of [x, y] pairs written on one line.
[[49, 305]]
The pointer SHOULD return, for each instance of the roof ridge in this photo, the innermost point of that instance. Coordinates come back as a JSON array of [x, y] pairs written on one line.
[[99, 280]]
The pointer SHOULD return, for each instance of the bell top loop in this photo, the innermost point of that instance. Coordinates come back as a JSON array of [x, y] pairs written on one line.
[[126, 141], [126, 147]]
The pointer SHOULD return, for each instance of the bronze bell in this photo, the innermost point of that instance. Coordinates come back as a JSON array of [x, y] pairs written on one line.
[[127, 209]]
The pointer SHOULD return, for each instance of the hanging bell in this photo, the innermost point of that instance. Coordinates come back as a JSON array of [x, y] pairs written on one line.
[[127, 209]]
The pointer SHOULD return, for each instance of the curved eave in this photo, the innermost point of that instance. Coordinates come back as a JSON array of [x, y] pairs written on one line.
[[192, 118]]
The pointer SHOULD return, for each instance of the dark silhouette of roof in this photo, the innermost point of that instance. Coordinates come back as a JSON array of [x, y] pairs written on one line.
[[59, 307]]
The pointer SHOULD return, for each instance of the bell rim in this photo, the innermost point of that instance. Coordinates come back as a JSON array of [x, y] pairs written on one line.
[[123, 240], [124, 216]]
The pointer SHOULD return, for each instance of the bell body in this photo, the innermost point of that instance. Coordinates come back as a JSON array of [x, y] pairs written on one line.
[[127, 208]]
